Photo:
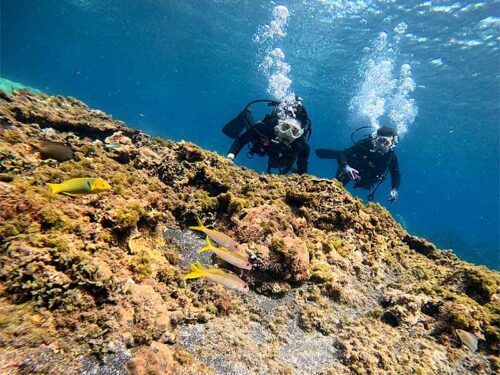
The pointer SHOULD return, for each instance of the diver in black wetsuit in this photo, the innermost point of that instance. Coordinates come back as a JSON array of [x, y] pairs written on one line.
[[281, 135], [368, 161]]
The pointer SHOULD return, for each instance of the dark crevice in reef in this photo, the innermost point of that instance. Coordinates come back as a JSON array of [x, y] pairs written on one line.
[[82, 129], [6, 97], [389, 318], [421, 246], [431, 309], [213, 188], [478, 287]]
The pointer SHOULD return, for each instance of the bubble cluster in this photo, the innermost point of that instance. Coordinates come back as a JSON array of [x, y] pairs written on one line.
[[384, 95], [273, 64]]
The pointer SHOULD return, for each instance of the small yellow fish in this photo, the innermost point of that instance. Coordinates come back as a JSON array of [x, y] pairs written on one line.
[[80, 186], [230, 256], [217, 275], [219, 237], [468, 338]]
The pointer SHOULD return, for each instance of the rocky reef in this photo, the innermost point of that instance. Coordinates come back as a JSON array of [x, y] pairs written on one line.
[[94, 284]]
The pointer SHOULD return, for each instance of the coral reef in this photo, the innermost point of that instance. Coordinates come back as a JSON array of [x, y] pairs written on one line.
[[10, 86], [94, 283]]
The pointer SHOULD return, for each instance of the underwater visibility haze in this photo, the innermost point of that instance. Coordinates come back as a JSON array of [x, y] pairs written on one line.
[[136, 237], [182, 69]]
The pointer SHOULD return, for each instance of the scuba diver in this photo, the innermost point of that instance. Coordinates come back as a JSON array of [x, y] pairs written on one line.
[[368, 161], [281, 135]]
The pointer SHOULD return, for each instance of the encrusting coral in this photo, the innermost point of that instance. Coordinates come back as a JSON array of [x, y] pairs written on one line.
[[96, 282]]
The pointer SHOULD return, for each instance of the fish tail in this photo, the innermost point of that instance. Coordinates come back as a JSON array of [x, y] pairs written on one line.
[[196, 271], [208, 247], [200, 225], [54, 189]]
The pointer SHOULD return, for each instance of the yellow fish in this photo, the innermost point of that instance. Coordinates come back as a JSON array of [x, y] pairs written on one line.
[[80, 186], [217, 275], [230, 256], [468, 338], [219, 237]]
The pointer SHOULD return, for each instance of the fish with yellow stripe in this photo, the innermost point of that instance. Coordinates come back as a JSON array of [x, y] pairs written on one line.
[[216, 236], [235, 258], [217, 275], [80, 186]]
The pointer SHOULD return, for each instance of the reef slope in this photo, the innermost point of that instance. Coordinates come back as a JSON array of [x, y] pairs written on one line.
[[94, 284]]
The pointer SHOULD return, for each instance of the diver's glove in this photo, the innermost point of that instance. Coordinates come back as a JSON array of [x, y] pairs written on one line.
[[230, 157], [393, 195], [351, 172]]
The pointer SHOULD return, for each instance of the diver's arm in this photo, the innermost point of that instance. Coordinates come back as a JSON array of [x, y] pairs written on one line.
[[395, 173], [343, 158], [302, 157], [344, 154], [353, 154], [240, 142]]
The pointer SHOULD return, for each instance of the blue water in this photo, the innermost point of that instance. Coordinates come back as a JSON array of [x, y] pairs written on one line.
[[182, 68]]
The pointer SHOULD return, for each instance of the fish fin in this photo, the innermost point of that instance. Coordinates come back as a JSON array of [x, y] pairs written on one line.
[[200, 225], [34, 147], [72, 194], [192, 275], [196, 271], [208, 247]]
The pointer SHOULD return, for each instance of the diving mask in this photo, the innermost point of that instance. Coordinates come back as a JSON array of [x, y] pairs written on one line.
[[288, 130], [384, 144]]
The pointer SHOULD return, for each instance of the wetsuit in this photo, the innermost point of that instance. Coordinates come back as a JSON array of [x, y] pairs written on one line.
[[280, 155], [371, 165]]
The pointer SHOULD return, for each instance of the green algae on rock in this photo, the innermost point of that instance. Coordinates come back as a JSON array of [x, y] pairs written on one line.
[[337, 286]]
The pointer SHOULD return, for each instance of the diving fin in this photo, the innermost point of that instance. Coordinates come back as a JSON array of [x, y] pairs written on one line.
[[323, 153], [234, 127]]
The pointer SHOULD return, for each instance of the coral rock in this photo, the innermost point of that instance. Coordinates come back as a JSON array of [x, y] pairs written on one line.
[[337, 286], [156, 359]]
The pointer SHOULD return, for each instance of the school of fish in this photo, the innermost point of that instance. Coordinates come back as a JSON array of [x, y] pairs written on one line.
[[229, 251]]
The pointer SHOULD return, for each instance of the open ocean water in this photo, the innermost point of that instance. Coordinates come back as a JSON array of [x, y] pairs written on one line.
[[182, 68]]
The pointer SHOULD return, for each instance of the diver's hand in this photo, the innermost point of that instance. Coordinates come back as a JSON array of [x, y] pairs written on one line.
[[230, 157], [351, 172], [393, 195]]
